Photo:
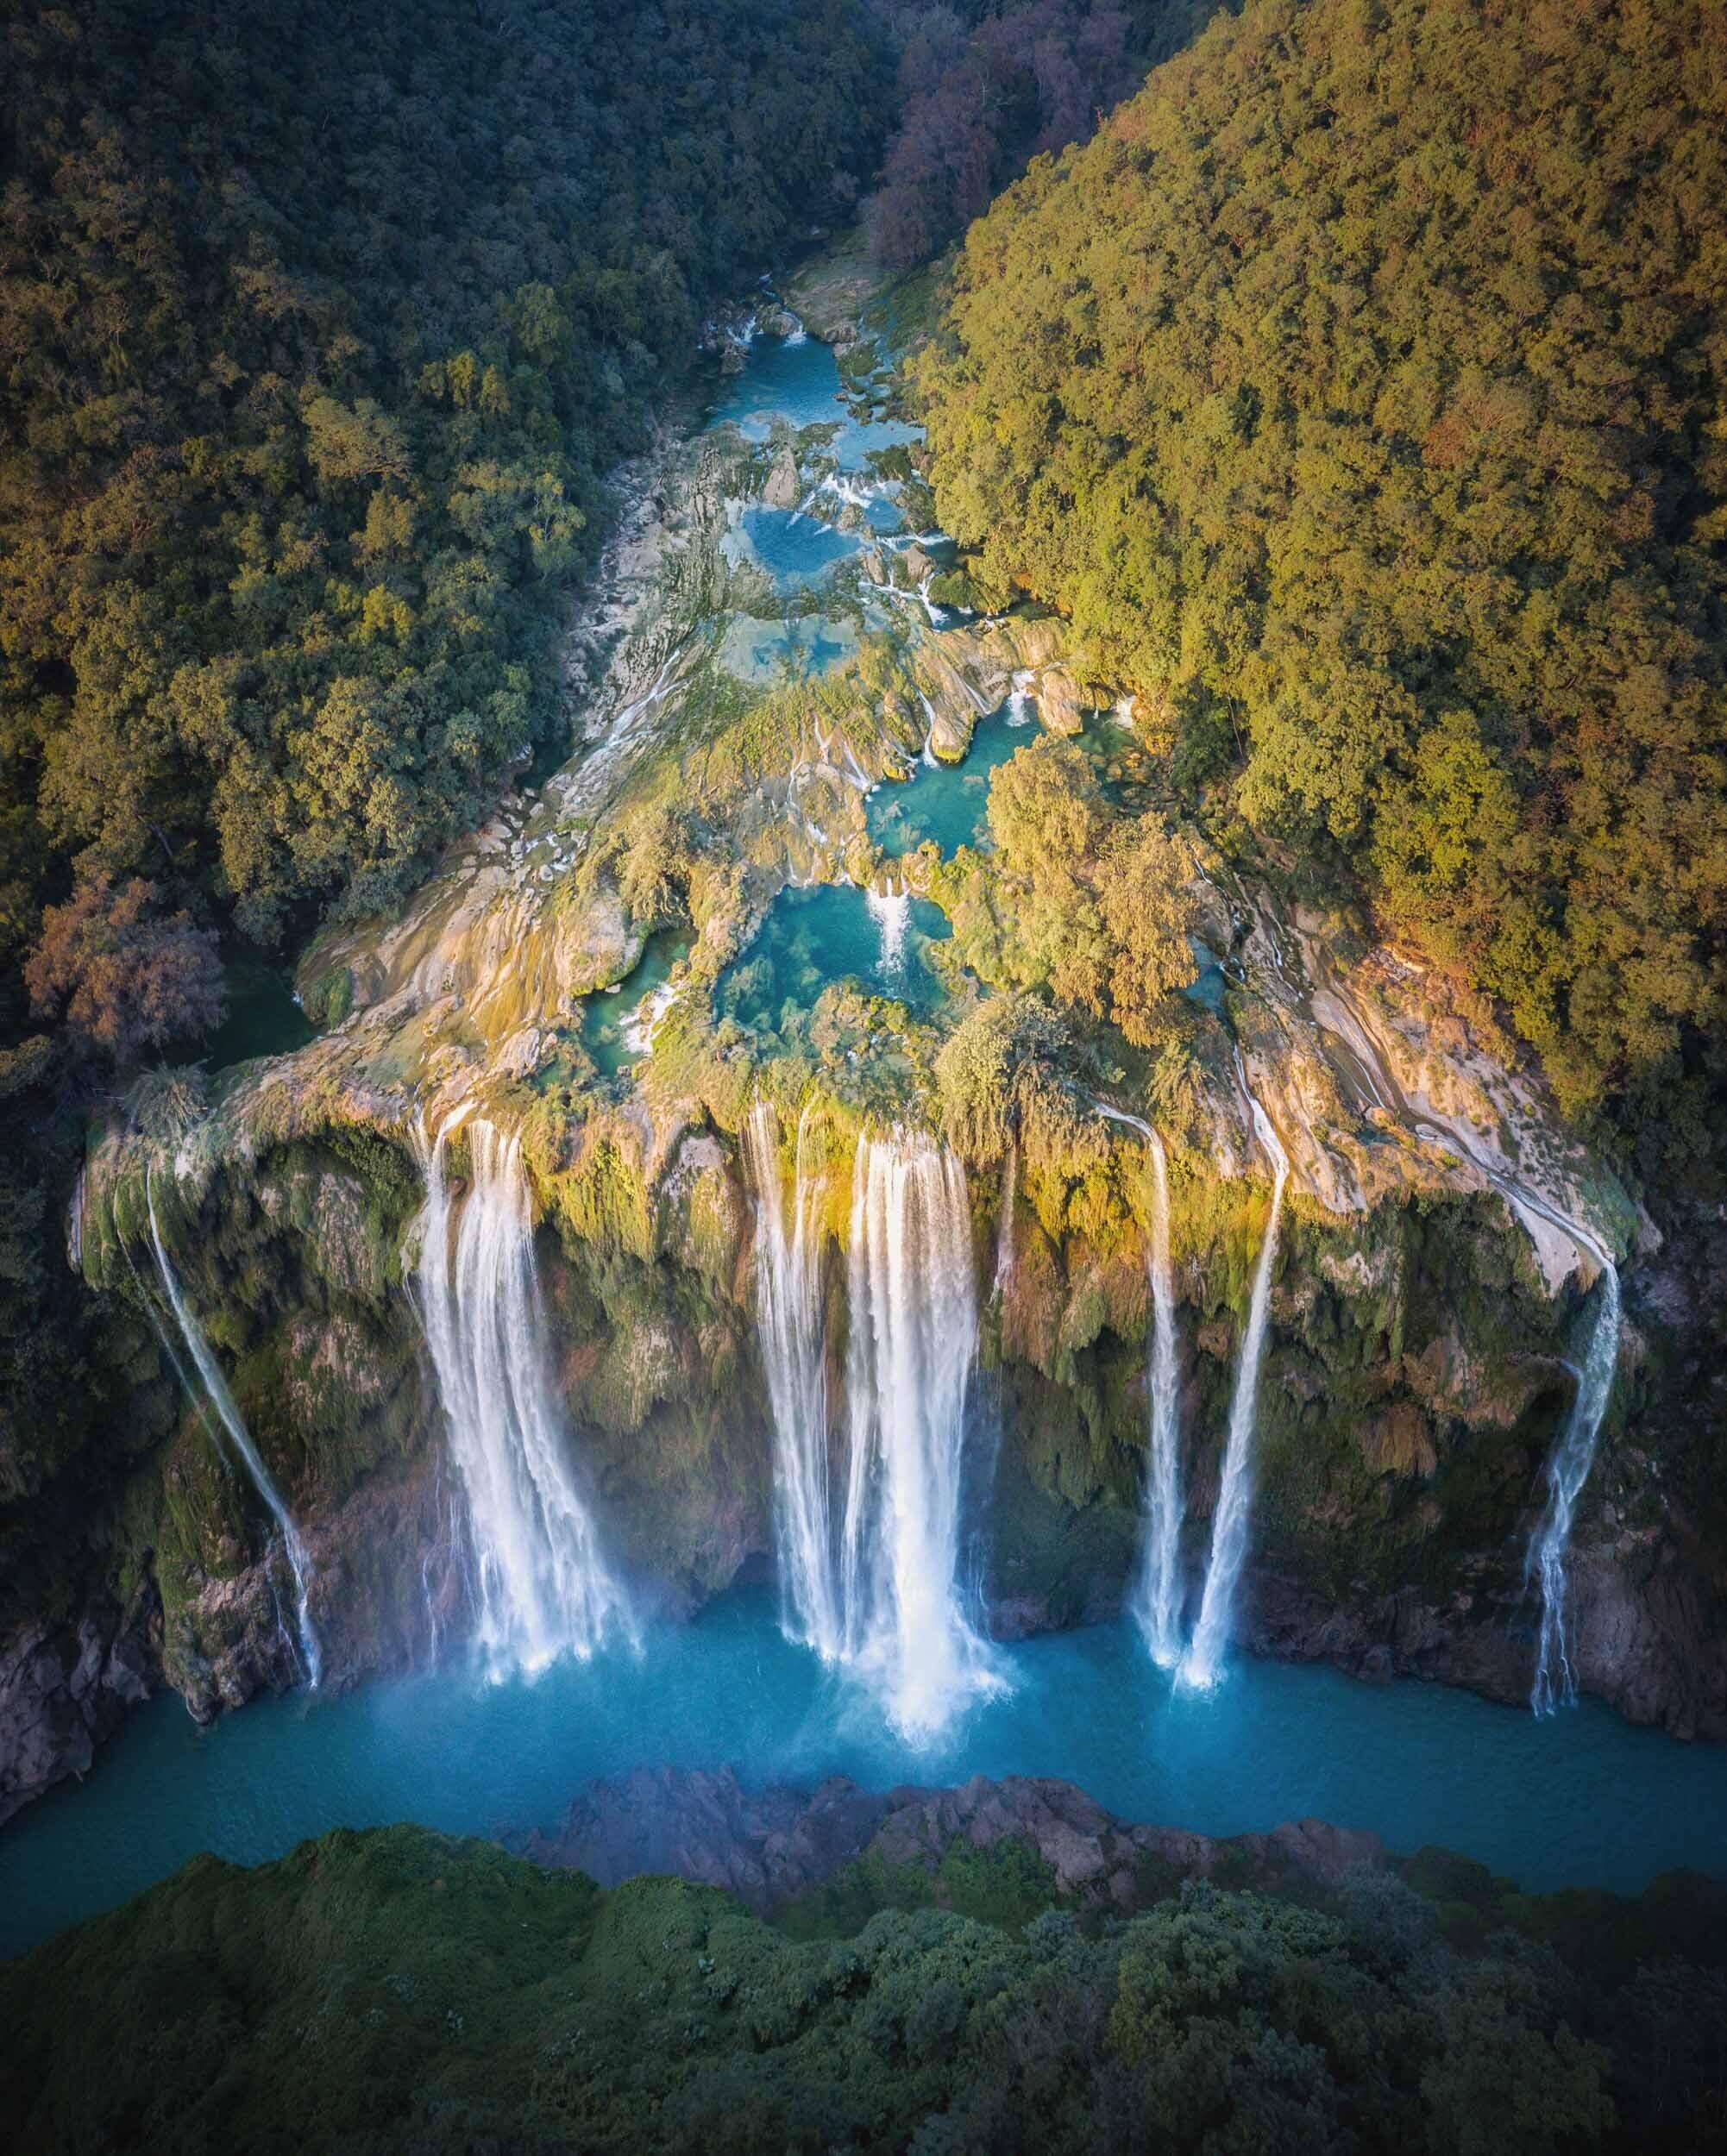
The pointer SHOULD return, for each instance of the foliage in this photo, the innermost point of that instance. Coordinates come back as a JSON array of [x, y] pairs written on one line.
[[1358, 391], [983, 86], [319, 335], [397, 1989], [1090, 908], [120, 975]]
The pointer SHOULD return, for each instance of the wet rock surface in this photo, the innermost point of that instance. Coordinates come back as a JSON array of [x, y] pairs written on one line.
[[770, 1846], [63, 1690]]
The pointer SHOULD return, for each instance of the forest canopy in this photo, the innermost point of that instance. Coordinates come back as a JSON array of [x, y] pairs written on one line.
[[318, 327], [1359, 392]]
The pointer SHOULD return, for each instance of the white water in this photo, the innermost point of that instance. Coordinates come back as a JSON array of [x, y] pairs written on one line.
[[913, 1338], [788, 1317], [542, 1585], [1203, 1665], [1156, 1605], [891, 911], [1004, 1230], [1567, 1470], [216, 1389]]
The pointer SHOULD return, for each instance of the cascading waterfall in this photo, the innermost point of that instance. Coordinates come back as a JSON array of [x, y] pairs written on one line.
[[913, 1338], [788, 1262], [215, 1389], [891, 911], [1004, 1232], [1567, 1470], [1158, 1601], [542, 1588], [1202, 1664]]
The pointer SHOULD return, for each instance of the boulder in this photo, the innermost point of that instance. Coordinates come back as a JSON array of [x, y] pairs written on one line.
[[783, 489], [1060, 705]]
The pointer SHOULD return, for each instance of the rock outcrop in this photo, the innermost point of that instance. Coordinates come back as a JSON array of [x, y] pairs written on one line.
[[64, 1689], [770, 1847]]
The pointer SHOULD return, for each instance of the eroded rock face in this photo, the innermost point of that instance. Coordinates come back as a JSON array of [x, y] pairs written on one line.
[[63, 1690], [770, 1847]]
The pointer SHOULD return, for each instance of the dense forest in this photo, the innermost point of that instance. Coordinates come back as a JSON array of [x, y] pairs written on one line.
[[1358, 391], [318, 331], [983, 86], [400, 1989]]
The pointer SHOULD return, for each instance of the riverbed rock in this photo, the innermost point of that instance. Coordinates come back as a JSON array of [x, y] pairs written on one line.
[[1060, 705], [784, 490]]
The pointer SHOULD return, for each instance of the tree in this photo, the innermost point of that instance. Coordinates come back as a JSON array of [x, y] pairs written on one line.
[[1147, 911], [120, 975], [1356, 390]]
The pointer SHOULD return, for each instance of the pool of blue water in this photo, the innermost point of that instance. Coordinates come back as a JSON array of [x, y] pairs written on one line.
[[1580, 1799], [950, 804], [611, 1029], [795, 550], [799, 384], [813, 938]]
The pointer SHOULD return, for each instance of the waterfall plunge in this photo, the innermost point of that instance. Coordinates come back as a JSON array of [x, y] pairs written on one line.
[[913, 1337], [1202, 1664], [788, 1262], [542, 1585], [216, 1389], [1567, 1470], [883, 1596], [891, 911], [1157, 1603]]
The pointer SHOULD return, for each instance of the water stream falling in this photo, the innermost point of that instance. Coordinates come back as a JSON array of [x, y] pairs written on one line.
[[788, 1316], [215, 1389], [1567, 1470], [891, 911], [542, 1587], [1004, 1232], [1202, 1664], [1158, 1601], [1572, 1455], [913, 1339]]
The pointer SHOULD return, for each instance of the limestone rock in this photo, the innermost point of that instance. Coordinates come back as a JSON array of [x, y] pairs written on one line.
[[1060, 704], [783, 489], [63, 1690]]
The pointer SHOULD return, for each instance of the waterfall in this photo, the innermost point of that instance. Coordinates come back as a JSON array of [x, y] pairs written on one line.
[[1202, 1664], [216, 1389], [1567, 1470], [914, 1337], [891, 911], [1004, 1232], [788, 1317], [1157, 1601], [542, 1588]]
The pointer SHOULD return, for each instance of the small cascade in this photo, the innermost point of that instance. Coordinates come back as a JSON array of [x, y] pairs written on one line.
[[216, 1390], [542, 1588], [1202, 1664], [913, 1339], [926, 754], [788, 1316], [1157, 1601], [1020, 713], [1567, 1470], [891, 911], [1004, 1232]]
